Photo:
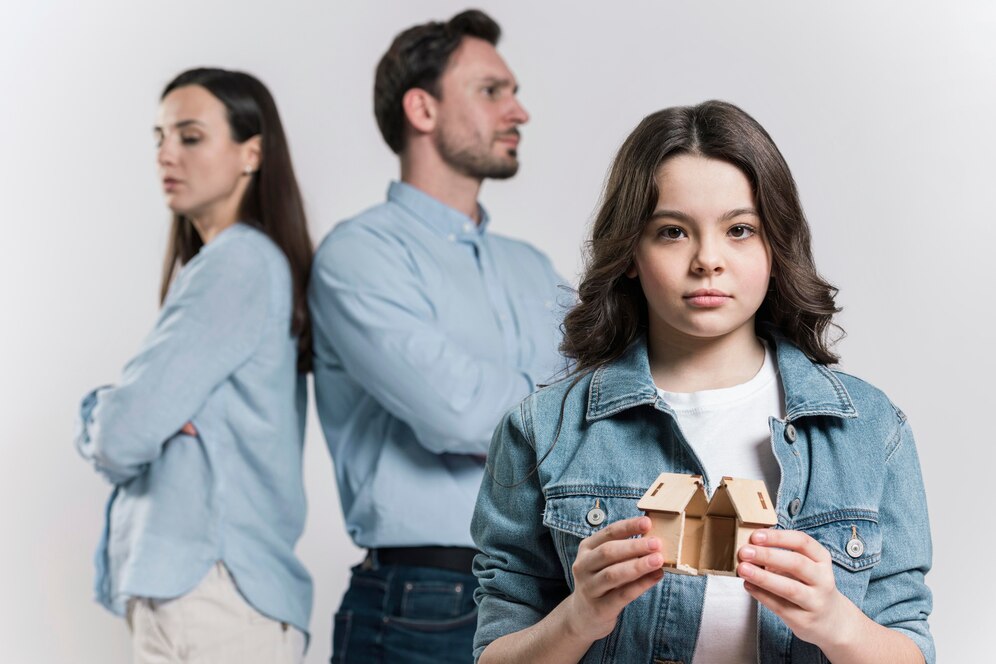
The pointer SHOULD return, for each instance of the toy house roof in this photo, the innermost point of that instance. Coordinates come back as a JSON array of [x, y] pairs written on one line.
[[748, 499], [672, 492]]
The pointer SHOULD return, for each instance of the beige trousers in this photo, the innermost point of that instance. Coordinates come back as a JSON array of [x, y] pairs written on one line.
[[213, 624]]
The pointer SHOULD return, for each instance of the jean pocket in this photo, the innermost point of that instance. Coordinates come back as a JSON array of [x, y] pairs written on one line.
[[573, 513], [433, 600], [342, 626], [854, 540]]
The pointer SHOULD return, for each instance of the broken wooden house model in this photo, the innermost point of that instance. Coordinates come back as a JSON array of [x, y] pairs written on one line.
[[702, 536]]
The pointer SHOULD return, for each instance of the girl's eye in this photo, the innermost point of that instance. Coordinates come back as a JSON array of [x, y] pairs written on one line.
[[670, 233], [190, 140], [742, 232]]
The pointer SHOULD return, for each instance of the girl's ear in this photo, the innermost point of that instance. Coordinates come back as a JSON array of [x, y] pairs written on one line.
[[631, 270]]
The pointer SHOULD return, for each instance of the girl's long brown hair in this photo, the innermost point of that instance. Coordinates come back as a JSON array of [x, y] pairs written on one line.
[[612, 310], [272, 202]]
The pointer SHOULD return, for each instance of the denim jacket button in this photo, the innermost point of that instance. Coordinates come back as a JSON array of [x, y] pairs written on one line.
[[595, 516], [790, 433], [795, 506], [855, 547]]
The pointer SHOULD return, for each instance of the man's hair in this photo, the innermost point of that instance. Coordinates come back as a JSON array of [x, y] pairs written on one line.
[[417, 58]]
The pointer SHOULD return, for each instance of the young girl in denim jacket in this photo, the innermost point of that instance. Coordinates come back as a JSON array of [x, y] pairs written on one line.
[[700, 347]]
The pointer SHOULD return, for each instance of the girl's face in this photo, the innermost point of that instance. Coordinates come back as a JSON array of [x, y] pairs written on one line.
[[702, 260], [203, 171]]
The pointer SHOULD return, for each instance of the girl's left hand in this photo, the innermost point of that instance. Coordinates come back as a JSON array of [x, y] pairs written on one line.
[[792, 574]]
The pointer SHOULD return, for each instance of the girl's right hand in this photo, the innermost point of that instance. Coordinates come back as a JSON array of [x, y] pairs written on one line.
[[610, 571]]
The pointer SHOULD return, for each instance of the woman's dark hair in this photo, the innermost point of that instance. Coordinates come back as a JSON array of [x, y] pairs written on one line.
[[612, 310], [272, 202], [416, 59]]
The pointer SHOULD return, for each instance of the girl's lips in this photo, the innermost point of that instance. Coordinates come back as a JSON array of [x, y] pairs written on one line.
[[707, 301], [707, 298]]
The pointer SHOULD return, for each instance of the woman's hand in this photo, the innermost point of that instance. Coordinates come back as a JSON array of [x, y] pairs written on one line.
[[610, 571], [792, 574]]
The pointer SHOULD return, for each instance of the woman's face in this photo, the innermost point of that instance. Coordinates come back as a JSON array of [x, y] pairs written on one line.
[[702, 261], [202, 170]]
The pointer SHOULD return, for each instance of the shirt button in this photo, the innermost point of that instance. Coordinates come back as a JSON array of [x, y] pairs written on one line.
[[451, 237], [855, 547], [795, 506], [595, 516], [468, 227], [790, 434]]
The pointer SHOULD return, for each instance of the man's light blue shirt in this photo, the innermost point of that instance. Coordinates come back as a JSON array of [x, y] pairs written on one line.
[[427, 329], [221, 356]]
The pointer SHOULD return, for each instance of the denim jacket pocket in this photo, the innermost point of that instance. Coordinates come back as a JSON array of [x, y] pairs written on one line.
[[854, 539], [574, 512]]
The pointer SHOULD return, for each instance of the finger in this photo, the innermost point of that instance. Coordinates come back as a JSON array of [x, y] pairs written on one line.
[[780, 606], [794, 540], [787, 588], [615, 551], [782, 561], [622, 596], [189, 429], [621, 574], [618, 530]]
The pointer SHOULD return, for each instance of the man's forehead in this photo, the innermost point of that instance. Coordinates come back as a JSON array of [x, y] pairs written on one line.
[[478, 59]]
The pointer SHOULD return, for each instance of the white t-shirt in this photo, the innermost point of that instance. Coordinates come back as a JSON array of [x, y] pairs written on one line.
[[728, 429]]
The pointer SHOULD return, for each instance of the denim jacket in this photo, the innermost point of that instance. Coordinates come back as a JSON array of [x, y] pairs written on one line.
[[848, 466]]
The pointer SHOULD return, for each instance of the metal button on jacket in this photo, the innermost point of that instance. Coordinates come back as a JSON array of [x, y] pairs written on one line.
[[790, 433], [855, 547], [795, 506], [595, 516]]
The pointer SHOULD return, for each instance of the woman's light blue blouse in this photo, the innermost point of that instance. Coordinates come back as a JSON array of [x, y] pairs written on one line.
[[221, 356]]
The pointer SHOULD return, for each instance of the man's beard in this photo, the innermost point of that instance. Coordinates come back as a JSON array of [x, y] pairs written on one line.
[[474, 160]]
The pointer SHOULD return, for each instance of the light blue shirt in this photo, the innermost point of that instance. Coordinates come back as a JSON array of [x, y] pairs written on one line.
[[427, 329], [221, 356]]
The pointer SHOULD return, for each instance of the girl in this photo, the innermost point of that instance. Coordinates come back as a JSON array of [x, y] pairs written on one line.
[[700, 347], [202, 437]]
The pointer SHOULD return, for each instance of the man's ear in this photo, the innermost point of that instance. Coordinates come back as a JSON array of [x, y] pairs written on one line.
[[420, 109]]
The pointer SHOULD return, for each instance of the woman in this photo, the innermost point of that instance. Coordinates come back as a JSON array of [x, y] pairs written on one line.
[[202, 437], [701, 349]]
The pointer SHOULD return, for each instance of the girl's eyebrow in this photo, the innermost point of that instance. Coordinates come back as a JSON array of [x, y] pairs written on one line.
[[671, 214], [739, 211], [681, 216]]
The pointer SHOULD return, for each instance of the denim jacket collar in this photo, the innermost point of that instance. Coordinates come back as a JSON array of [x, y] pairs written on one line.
[[810, 388]]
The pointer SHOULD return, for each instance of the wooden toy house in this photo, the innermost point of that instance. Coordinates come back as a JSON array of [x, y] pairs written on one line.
[[676, 505], [702, 536]]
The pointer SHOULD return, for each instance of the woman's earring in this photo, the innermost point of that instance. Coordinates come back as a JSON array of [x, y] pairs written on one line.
[[248, 170]]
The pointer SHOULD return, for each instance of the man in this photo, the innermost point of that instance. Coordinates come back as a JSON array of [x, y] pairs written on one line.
[[427, 329]]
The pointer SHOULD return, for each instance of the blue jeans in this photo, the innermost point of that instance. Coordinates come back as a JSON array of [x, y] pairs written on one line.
[[397, 613]]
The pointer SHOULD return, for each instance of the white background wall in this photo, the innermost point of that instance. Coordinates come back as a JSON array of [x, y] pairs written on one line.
[[885, 112]]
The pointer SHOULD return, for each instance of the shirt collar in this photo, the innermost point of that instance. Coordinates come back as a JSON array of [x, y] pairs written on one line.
[[441, 218], [810, 388]]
